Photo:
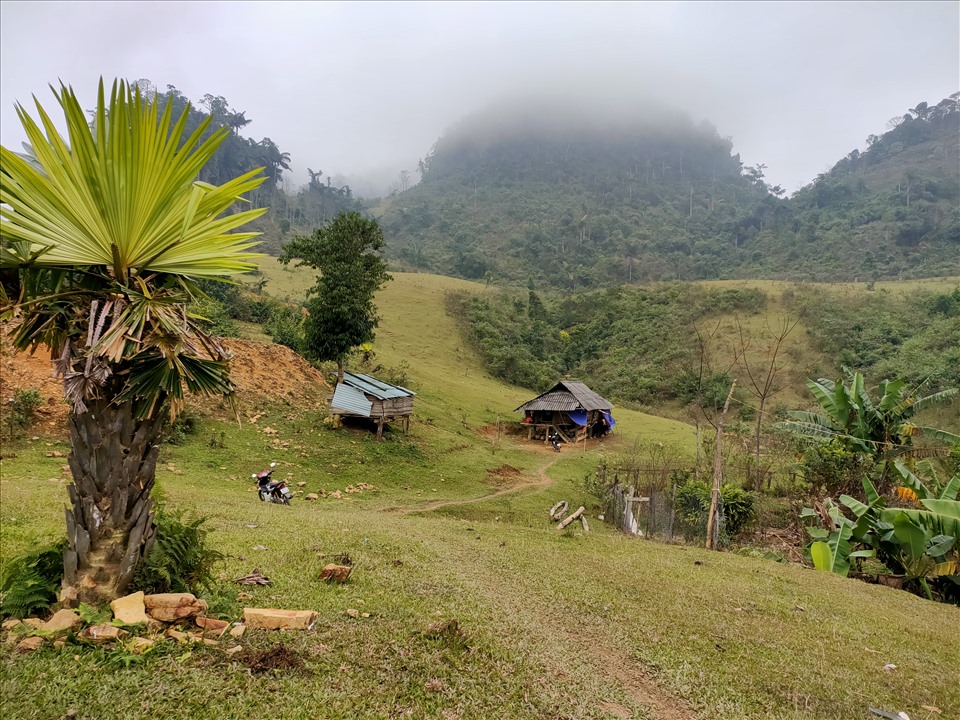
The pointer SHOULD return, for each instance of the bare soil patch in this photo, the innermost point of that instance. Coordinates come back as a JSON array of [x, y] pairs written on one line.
[[279, 657]]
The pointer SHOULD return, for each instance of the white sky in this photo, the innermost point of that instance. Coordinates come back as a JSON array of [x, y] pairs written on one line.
[[364, 89]]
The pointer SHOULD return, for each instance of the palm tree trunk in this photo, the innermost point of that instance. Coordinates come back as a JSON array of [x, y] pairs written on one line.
[[110, 522]]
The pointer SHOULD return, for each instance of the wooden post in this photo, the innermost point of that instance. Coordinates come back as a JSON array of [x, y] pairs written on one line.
[[380, 428], [630, 526], [406, 424], [713, 527]]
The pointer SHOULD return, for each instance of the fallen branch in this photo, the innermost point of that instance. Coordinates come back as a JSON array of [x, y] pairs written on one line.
[[583, 521], [557, 511], [254, 578], [570, 519]]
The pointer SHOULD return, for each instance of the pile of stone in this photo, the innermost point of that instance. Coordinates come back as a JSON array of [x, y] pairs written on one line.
[[176, 616]]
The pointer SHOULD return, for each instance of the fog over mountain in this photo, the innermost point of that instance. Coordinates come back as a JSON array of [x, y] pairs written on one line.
[[363, 90]]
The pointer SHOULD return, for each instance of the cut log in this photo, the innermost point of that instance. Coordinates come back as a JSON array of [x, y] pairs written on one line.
[[335, 573], [570, 519], [558, 510], [583, 521]]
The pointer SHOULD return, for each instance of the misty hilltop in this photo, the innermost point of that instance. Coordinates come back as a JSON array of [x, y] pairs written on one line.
[[579, 194]]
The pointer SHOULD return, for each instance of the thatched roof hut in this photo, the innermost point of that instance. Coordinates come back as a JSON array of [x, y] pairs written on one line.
[[571, 408]]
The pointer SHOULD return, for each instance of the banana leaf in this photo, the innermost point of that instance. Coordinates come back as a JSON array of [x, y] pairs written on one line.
[[834, 554]]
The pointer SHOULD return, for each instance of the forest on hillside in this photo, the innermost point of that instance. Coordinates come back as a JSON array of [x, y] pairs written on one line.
[[682, 343], [555, 195], [577, 202], [292, 211]]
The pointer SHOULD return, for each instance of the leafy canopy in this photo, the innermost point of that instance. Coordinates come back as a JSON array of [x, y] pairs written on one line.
[[342, 313], [881, 427]]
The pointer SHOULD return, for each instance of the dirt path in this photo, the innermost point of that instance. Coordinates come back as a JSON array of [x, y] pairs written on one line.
[[658, 703], [541, 480], [524, 605]]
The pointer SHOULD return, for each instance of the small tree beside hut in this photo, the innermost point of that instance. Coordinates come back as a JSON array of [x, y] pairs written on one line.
[[342, 314]]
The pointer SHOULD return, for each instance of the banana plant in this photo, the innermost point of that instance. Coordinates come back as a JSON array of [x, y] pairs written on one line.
[[880, 427], [831, 550], [921, 543]]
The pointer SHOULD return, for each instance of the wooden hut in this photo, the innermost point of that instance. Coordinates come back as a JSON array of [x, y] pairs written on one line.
[[569, 407], [365, 396]]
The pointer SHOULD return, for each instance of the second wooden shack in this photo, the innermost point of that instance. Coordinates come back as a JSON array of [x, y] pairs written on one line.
[[364, 396]]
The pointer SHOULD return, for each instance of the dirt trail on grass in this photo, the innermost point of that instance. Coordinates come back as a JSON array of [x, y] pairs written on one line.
[[541, 480], [659, 704], [564, 638]]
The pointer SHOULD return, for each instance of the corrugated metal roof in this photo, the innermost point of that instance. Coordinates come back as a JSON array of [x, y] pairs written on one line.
[[351, 400], [565, 396], [379, 389]]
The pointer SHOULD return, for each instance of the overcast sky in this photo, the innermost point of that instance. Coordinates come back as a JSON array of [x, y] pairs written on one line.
[[365, 88]]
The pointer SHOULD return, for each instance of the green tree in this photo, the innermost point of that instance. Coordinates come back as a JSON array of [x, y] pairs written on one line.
[[881, 428], [342, 313], [104, 264]]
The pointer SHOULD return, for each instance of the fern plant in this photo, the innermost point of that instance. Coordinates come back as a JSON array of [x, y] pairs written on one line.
[[31, 582], [179, 560]]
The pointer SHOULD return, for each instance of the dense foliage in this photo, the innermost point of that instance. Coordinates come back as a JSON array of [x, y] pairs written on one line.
[[341, 313], [30, 582], [693, 508], [915, 337], [180, 559], [583, 201], [634, 344], [640, 345]]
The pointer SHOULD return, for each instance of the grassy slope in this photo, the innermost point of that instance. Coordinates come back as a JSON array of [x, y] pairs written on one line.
[[556, 624]]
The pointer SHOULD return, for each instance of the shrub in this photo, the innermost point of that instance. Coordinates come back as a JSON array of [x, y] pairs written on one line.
[[179, 560], [693, 507], [216, 317], [185, 424], [285, 327], [24, 405], [833, 468], [31, 582]]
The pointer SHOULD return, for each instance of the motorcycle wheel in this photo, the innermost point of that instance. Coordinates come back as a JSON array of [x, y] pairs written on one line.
[[283, 500]]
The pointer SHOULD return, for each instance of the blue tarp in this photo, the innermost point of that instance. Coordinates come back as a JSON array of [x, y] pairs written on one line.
[[609, 418], [578, 416]]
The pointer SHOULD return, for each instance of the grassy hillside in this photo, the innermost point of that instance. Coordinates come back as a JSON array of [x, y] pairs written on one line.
[[554, 624]]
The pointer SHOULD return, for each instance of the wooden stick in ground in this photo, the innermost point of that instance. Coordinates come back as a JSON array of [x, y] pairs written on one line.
[[583, 521], [557, 511], [570, 519], [713, 529]]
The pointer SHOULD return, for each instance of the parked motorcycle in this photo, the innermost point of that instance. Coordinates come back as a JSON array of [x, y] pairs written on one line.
[[554, 439], [272, 491]]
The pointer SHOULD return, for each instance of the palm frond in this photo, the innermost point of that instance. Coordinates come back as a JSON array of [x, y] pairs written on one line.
[[122, 195]]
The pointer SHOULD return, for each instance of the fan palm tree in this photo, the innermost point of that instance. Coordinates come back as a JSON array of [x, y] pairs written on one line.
[[100, 241], [882, 429]]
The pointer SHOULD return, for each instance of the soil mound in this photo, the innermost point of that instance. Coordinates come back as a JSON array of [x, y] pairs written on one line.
[[275, 372], [259, 371]]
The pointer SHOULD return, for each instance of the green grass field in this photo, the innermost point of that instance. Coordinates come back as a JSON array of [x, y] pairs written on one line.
[[554, 624]]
